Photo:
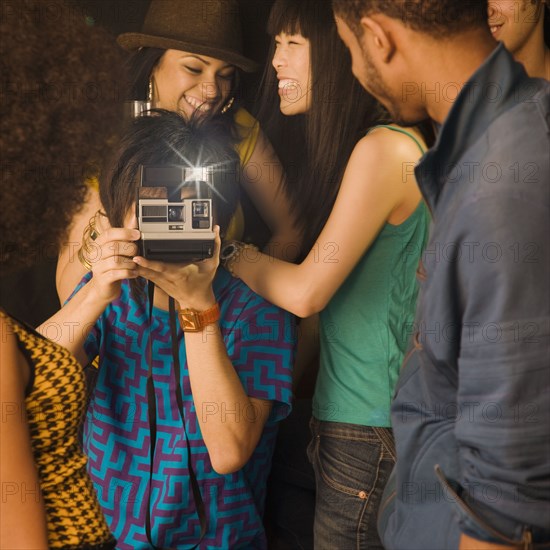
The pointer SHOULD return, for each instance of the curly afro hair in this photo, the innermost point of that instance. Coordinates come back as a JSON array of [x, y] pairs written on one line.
[[61, 97]]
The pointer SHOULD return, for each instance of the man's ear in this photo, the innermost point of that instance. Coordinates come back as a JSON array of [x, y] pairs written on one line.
[[377, 32]]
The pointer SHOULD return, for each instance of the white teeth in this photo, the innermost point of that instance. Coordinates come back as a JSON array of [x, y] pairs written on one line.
[[494, 29], [203, 107], [287, 82]]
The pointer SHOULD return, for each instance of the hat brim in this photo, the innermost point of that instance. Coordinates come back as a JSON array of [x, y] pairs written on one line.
[[133, 40]]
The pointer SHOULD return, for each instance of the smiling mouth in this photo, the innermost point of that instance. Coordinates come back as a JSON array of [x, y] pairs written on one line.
[[287, 83], [495, 28], [289, 89], [202, 106]]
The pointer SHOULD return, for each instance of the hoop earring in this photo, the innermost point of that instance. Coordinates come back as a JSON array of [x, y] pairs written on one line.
[[228, 106]]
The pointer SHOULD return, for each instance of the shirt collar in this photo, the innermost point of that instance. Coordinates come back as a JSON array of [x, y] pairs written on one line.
[[492, 89]]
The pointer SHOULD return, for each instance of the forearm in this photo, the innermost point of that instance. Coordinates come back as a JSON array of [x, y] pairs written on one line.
[[231, 423], [284, 244], [282, 283], [502, 438], [69, 270], [71, 325]]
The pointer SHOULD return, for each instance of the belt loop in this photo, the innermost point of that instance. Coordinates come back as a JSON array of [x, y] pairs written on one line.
[[386, 439]]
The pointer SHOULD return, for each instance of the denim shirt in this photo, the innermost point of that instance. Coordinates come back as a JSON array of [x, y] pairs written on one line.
[[471, 412]]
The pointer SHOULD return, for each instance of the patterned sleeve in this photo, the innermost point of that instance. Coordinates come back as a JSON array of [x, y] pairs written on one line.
[[261, 342]]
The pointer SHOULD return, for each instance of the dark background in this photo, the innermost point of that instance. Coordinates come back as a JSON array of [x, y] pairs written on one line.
[[30, 294]]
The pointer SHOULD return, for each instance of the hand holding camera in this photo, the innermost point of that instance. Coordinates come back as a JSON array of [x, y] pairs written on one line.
[[190, 284], [114, 249]]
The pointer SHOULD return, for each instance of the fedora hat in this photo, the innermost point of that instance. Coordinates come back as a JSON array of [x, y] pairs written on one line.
[[204, 27]]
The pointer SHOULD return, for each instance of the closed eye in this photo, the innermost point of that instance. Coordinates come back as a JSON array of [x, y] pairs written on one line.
[[193, 70]]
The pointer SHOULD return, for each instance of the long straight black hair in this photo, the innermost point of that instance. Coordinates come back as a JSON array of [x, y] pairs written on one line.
[[315, 148]]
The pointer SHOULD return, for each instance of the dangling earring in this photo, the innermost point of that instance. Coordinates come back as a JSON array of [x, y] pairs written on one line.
[[228, 106], [150, 91]]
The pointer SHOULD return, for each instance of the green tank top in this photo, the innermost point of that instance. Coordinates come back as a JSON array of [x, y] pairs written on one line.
[[364, 329]]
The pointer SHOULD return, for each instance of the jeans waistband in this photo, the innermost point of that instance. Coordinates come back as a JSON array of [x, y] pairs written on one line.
[[357, 432]]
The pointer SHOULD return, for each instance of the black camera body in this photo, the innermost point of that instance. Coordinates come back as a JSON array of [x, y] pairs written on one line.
[[174, 212]]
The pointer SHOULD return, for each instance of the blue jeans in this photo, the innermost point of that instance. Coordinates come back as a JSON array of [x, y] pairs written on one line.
[[352, 464]]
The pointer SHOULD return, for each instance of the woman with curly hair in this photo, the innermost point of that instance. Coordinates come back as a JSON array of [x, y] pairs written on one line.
[[57, 113]]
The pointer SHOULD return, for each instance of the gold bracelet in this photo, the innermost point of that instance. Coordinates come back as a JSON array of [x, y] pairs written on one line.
[[83, 260]]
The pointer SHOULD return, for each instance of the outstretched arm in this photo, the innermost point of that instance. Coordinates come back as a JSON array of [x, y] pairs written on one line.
[[372, 193]]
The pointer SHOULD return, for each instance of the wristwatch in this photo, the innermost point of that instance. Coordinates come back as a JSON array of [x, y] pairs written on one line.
[[231, 251], [192, 320]]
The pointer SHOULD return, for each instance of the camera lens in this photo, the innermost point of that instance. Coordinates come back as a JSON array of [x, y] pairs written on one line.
[[175, 213]]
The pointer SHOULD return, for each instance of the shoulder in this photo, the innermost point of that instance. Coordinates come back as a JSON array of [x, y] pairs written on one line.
[[384, 143], [248, 131], [9, 334], [512, 165], [5, 319], [385, 157], [15, 371], [244, 119]]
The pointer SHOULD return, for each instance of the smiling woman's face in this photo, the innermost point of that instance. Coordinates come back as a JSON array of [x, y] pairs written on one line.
[[291, 60], [189, 83]]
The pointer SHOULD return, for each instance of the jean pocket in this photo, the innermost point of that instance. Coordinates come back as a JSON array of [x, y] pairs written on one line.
[[347, 465]]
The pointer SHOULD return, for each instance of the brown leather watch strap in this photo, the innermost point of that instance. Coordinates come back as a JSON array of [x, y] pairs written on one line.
[[192, 320]]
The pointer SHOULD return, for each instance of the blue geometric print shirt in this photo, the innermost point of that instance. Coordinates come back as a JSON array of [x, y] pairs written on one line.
[[260, 341]]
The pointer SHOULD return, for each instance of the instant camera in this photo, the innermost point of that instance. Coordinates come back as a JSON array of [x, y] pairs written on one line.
[[174, 212]]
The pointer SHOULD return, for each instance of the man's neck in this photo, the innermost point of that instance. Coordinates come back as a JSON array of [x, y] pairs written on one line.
[[455, 63]]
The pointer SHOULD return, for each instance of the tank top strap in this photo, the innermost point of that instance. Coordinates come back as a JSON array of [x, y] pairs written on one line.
[[401, 131]]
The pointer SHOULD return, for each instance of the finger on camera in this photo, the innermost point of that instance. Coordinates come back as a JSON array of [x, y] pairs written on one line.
[[128, 249], [118, 249], [118, 262], [118, 234]]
